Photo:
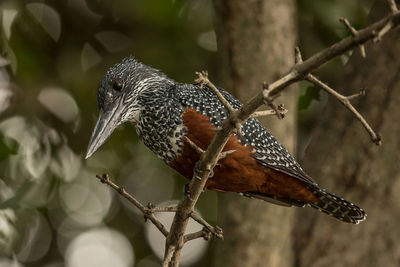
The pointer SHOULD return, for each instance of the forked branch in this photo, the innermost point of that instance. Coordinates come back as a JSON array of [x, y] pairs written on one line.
[[393, 6], [148, 215], [345, 100], [354, 33], [149, 210], [202, 79]]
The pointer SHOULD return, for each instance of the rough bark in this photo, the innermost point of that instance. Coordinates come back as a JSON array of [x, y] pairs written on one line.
[[255, 44], [342, 159]]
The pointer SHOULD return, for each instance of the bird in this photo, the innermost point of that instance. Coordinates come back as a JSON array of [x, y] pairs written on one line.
[[165, 113]]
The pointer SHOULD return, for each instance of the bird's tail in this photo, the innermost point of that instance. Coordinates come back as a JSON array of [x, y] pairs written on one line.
[[337, 207]]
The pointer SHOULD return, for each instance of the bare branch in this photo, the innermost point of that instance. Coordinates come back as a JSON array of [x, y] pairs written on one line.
[[204, 233], [150, 209], [225, 153], [297, 55], [346, 102], [216, 129], [155, 209], [354, 33], [269, 101], [148, 215], [378, 36], [238, 129], [203, 80], [361, 93], [393, 6], [171, 253], [270, 112], [216, 231], [193, 145]]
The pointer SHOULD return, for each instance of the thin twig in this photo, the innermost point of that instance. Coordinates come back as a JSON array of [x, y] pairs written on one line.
[[193, 145], [361, 93], [216, 231], [346, 102], [163, 209], [297, 55], [393, 6], [354, 33], [269, 101], [148, 215], [378, 36], [203, 80], [269, 112], [204, 233], [216, 129], [223, 155]]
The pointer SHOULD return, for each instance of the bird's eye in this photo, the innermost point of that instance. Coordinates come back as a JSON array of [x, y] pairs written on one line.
[[117, 85]]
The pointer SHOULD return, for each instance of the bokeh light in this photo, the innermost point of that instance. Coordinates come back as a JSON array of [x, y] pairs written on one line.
[[60, 103], [86, 200], [47, 17], [99, 247], [35, 236]]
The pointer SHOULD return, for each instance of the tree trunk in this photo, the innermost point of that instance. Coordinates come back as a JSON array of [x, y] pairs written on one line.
[[255, 44], [342, 158]]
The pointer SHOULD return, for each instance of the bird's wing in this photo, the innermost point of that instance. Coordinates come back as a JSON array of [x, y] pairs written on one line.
[[267, 150]]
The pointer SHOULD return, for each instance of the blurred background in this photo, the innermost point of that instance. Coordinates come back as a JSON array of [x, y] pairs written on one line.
[[53, 53]]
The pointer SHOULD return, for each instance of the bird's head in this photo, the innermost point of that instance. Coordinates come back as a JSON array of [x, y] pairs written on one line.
[[118, 97]]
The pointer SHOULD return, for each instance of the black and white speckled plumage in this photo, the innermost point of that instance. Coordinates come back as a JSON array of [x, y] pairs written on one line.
[[158, 109], [268, 151], [154, 104]]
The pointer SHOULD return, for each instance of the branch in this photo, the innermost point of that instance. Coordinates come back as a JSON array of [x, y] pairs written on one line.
[[361, 93], [148, 211], [204, 233], [269, 112], [151, 209], [378, 36], [105, 179], [345, 100], [175, 239], [393, 6], [203, 80], [155, 209], [269, 101], [354, 33], [193, 145], [216, 231]]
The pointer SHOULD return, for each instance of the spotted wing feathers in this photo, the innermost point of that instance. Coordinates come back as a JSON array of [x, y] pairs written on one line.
[[268, 151]]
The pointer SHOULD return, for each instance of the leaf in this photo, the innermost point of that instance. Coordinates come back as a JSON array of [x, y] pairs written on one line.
[[312, 93]]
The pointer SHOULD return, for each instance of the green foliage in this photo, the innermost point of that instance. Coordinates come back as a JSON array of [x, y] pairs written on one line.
[[312, 93]]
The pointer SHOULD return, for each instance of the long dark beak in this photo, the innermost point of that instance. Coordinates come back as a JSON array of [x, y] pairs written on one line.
[[107, 122]]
